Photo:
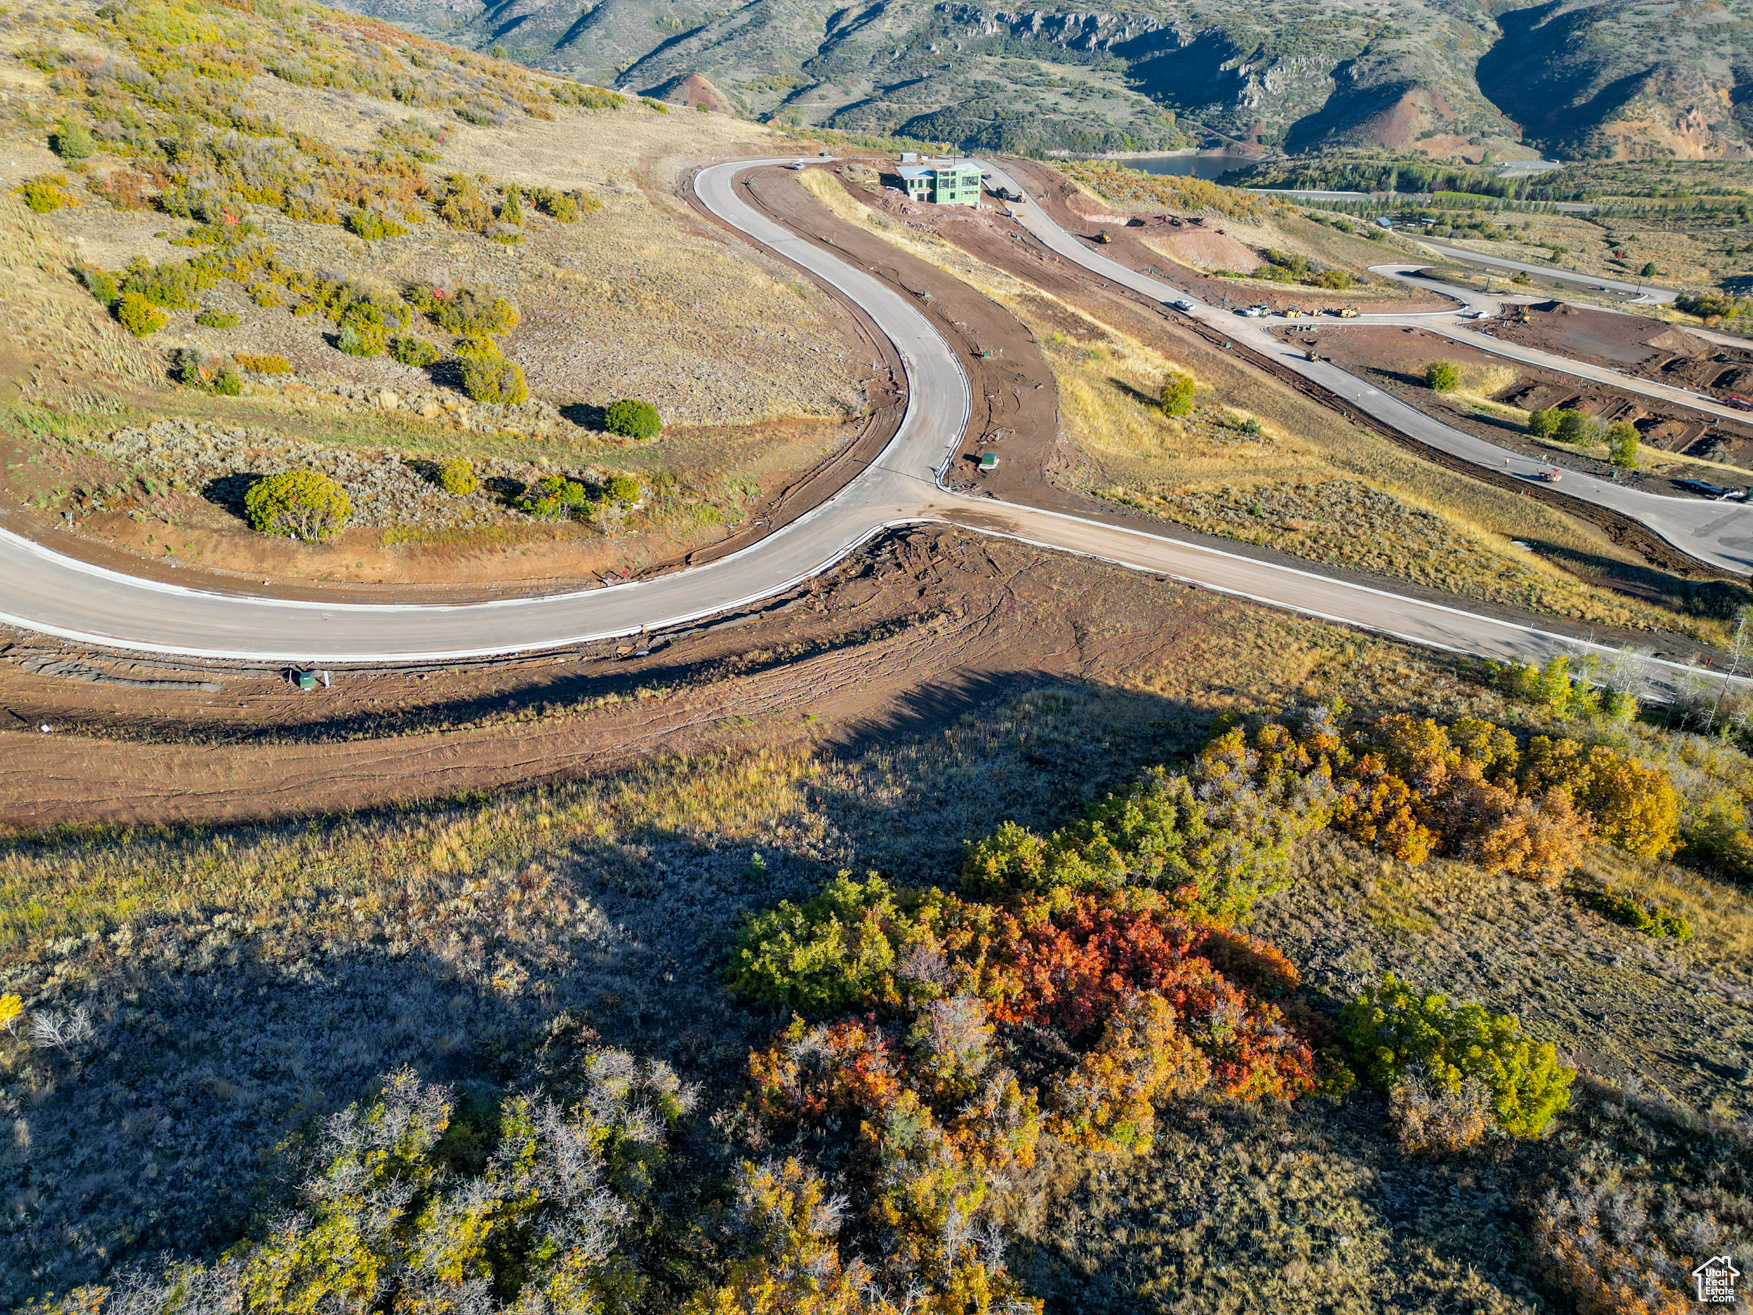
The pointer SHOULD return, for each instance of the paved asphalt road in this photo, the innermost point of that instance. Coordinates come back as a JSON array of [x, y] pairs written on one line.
[[46, 591], [1639, 289], [1718, 533]]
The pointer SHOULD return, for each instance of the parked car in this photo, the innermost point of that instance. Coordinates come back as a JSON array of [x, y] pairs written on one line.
[[1183, 305]]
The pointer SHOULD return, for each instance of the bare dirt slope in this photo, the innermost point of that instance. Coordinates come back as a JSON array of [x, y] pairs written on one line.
[[921, 627]]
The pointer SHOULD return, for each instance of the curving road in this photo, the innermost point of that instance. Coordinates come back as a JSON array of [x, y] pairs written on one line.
[[1716, 533], [45, 591]]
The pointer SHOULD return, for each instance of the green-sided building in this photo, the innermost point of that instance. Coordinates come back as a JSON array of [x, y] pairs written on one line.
[[942, 182]]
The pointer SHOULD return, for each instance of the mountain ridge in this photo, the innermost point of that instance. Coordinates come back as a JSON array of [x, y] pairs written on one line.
[[1613, 80]]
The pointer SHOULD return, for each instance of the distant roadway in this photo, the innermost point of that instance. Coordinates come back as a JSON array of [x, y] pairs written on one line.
[[1720, 534], [49, 592]]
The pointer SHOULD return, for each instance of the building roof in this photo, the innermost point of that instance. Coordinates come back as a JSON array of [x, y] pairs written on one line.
[[914, 171]]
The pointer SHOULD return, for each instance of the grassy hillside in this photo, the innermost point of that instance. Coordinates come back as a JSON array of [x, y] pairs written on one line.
[[197, 1012], [276, 228]]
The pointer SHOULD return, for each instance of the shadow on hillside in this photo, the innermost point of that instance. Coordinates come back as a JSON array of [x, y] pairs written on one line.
[[214, 1045]]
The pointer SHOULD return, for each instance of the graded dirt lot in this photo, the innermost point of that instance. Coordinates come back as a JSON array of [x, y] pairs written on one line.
[[1666, 353], [920, 627], [1395, 358]]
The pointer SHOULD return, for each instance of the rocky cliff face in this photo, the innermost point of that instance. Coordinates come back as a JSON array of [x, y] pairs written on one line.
[[1609, 79]]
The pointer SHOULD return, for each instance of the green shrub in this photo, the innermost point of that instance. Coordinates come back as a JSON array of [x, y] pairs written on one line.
[[409, 350], [72, 142], [102, 286], [652, 104], [1336, 279], [217, 319], [1622, 445], [1177, 394], [1575, 427], [511, 206], [139, 316], [1543, 424], [1649, 271], [554, 496], [360, 342], [457, 477], [1215, 844], [266, 295], [623, 489], [565, 206], [469, 312], [208, 372], [1643, 915], [47, 193], [370, 224], [300, 504], [1396, 1035], [631, 418], [835, 951], [492, 378], [587, 97], [1442, 377], [172, 285]]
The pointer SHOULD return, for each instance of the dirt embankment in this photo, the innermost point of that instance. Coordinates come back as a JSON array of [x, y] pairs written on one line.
[[914, 630], [1650, 349], [1396, 358]]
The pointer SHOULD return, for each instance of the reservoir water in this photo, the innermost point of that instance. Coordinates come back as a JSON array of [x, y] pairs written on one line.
[[1191, 164]]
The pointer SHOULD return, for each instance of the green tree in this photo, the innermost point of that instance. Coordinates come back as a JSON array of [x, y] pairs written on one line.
[[299, 504], [1177, 394], [624, 489], [1542, 424], [631, 418], [71, 141], [1649, 271], [1442, 377], [1574, 427], [1396, 1034], [1622, 445]]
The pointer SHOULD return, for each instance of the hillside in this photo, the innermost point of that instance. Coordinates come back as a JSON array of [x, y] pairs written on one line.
[[295, 239], [1592, 80]]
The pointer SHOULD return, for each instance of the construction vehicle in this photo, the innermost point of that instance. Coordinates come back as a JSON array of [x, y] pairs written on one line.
[[1551, 474], [1346, 312], [1738, 402], [1104, 237]]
